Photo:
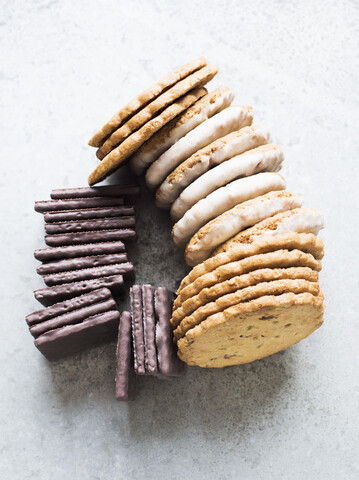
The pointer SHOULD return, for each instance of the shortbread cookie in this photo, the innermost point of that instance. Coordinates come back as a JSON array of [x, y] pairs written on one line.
[[228, 120], [129, 146], [266, 158], [144, 98], [237, 282], [195, 80], [306, 242], [277, 259], [276, 287], [209, 156], [177, 128], [125, 375], [300, 220], [235, 220], [252, 330], [222, 200]]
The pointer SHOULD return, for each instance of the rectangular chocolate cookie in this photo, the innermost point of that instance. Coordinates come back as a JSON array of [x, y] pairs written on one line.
[[65, 341], [48, 296], [73, 251], [137, 329], [149, 329], [90, 225], [88, 213], [65, 265], [64, 239], [125, 269], [125, 375], [76, 203], [106, 190]]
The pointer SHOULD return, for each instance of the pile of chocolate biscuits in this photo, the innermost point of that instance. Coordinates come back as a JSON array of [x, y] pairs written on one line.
[[254, 289]]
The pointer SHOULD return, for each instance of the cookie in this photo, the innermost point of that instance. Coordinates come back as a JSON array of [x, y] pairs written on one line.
[[149, 329], [66, 265], [72, 339], [306, 242], [76, 238], [222, 200], [103, 191], [88, 214], [125, 375], [274, 259], [212, 154], [137, 329], [195, 80], [144, 98], [224, 122], [76, 203], [275, 287], [266, 158], [124, 269], [74, 251], [48, 296], [177, 128], [90, 225], [244, 215], [237, 282], [252, 330], [128, 147], [300, 220]]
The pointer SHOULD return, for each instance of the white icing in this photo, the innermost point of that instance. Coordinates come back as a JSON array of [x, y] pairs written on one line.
[[254, 159], [142, 159], [222, 200], [235, 220], [224, 122]]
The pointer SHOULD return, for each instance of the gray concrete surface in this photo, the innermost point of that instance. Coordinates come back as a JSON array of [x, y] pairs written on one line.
[[65, 67]]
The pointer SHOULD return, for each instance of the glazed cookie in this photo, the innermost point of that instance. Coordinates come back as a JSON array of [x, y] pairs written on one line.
[[235, 220], [177, 128]]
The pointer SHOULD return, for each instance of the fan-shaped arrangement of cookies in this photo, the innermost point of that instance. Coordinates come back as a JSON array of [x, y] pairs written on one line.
[[254, 287]]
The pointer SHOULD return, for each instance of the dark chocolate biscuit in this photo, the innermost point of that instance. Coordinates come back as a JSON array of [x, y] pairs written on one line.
[[76, 203], [63, 239], [50, 295], [125, 269], [80, 263], [168, 362], [107, 190], [137, 329], [72, 339], [73, 251], [149, 328], [75, 316], [125, 375], [88, 213], [90, 225], [100, 295]]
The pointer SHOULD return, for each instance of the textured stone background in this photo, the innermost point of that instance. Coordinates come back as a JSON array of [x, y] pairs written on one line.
[[65, 67]]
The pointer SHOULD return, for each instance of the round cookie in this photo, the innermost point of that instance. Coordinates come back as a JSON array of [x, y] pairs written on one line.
[[300, 220], [222, 200], [177, 128], [306, 242], [276, 287], [114, 159], [240, 281], [252, 330], [244, 215], [144, 98], [224, 122], [265, 158]]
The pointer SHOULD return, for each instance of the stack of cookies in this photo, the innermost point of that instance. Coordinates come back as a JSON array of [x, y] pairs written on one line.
[[84, 265], [145, 345], [254, 289]]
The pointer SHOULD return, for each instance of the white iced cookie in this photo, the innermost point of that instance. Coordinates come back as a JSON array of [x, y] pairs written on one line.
[[266, 158], [201, 111], [230, 119], [222, 200], [235, 220], [209, 156], [300, 220]]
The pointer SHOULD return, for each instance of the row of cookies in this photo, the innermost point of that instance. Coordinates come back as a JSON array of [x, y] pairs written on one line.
[[250, 301]]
